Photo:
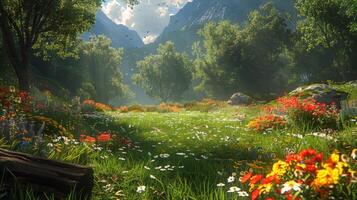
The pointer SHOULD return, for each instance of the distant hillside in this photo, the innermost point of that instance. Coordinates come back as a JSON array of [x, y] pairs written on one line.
[[120, 35], [183, 26]]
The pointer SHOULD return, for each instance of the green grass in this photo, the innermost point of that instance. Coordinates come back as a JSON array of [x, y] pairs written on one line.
[[203, 148], [211, 143]]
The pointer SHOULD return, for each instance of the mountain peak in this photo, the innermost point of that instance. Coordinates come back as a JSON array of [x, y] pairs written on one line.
[[120, 35], [183, 26]]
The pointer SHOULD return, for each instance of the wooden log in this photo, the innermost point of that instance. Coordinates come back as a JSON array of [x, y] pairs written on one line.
[[44, 176]]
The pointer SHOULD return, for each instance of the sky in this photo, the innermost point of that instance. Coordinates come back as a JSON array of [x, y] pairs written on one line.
[[149, 18]]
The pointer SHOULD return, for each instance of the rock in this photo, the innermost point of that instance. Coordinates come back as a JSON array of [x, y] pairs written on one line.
[[322, 93], [240, 99]]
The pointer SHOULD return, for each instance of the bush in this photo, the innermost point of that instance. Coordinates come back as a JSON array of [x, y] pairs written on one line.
[[308, 113], [88, 106], [14, 102], [267, 122], [101, 107], [164, 107], [204, 105], [136, 108]]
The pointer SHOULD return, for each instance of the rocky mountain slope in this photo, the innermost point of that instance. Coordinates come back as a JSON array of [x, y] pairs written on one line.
[[183, 26], [120, 35]]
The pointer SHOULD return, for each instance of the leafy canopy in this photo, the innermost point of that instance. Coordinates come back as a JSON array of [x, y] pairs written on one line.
[[103, 79], [242, 59], [165, 75]]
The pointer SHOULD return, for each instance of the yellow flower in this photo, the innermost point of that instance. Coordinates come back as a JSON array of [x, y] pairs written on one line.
[[335, 157], [265, 188], [279, 168], [326, 177]]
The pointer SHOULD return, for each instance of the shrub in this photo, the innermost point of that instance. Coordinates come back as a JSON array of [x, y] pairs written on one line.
[[123, 109], [306, 176], [204, 105], [13, 101], [51, 126], [267, 122], [101, 107], [309, 113], [136, 108], [163, 107], [91, 106], [88, 106]]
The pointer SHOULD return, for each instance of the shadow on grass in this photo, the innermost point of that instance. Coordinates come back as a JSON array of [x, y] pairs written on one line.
[[202, 168]]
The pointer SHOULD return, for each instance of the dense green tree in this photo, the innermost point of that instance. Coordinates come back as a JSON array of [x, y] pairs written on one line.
[[327, 40], [217, 64], [100, 67], [165, 75], [243, 59], [41, 24]]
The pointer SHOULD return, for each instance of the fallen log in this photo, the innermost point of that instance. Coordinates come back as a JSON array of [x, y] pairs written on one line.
[[43, 176]]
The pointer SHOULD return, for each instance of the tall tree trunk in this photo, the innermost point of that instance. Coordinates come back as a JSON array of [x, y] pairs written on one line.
[[18, 54], [22, 73]]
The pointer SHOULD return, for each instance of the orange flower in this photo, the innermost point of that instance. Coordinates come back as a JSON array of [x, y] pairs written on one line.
[[246, 177], [87, 139], [104, 137], [255, 194], [89, 102], [255, 179]]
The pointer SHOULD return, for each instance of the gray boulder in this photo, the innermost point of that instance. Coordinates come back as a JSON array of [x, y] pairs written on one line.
[[322, 93], [240, 99]]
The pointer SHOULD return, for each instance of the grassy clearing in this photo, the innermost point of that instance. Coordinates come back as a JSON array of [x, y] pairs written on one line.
[[185, 155], [176, 152]]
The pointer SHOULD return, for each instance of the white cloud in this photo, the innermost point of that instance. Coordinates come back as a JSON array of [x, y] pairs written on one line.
[[162, 11], [149, 18], [149, 39]]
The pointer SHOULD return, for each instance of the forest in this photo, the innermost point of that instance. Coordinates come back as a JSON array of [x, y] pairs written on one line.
[[178, 99]]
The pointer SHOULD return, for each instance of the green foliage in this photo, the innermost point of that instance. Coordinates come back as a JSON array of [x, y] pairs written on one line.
[[243, 59], [326, 42], [165, 75], [100, 68], [43, 25]]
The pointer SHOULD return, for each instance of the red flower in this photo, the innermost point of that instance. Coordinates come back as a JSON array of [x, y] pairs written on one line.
[[270, 179], [87, 139], [246, 177], [293, 157], [311, 168], [255, 194], [104, 137], [255, 179]]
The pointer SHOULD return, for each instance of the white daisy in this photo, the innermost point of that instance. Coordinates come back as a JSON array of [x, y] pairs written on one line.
[[221, 185], [230, 179], [141, 189], [290, 185], [243, 194], [234, 189]]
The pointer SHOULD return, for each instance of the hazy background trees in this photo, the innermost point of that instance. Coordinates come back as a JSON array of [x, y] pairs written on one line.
[[165, 75], [265, 55], [245, 59], [102, 76]]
